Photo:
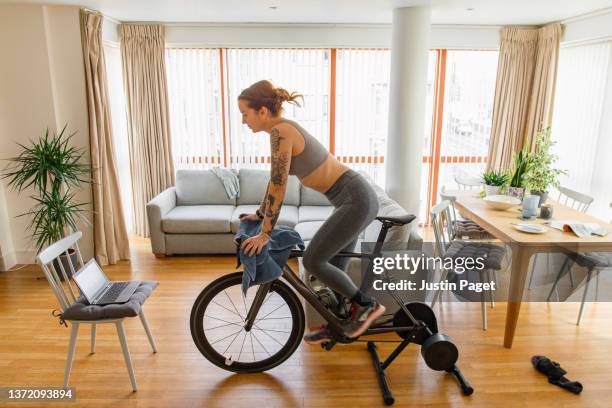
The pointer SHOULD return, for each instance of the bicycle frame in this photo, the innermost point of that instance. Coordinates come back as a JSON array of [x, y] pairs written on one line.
[[335, 324]]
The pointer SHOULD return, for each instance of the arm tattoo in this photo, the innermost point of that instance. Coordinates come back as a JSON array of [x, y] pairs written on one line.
[[272, 212], [280, 161], [262, 206]]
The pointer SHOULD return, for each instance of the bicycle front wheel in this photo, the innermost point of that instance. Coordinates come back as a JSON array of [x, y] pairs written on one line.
[[218, 325]]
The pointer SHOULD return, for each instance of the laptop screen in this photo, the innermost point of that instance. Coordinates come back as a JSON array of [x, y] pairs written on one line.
[[91, 279]]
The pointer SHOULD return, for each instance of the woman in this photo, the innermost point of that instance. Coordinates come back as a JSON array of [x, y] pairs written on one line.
[[295, 152]]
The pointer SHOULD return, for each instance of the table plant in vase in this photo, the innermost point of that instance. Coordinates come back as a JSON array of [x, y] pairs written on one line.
[[494, 181], [541, 174], [516, 176], [54, 169]]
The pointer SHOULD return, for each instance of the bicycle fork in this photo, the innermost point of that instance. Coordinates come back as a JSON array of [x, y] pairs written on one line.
[[260, 297]]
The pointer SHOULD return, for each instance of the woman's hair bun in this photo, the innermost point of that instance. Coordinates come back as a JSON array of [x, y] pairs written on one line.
[[263, 93]]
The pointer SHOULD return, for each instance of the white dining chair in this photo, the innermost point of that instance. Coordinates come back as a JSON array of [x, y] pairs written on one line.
[[579, 202], [55, 270]]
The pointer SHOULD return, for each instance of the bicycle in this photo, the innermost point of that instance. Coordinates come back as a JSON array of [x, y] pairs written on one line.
[[273, 316]]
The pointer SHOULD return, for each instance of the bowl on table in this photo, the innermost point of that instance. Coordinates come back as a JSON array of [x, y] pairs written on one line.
[[501, 202]]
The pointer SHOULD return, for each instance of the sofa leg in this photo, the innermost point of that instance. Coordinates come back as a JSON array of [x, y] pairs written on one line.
[[160, 255]]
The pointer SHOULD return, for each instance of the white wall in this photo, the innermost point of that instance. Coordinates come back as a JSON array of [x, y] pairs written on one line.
[[42, 85], [320, 35], [590, 27]]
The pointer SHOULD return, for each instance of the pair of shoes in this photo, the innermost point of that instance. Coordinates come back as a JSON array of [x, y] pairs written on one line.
[[362, 316], [555, 374]]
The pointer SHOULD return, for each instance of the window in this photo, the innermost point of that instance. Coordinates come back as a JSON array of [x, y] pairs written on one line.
[[303, 70], [582, 122], [468, 112], [362, 109], [196, 120], [117, 106]]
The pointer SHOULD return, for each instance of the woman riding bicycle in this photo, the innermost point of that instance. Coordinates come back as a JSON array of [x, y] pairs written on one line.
[[295, 152]]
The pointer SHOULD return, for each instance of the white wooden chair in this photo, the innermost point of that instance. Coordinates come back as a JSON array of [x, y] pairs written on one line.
[[469, 182], [579, 202], [447, 246], [50, 261]]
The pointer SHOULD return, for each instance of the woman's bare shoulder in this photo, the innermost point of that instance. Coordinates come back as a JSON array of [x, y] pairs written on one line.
[[288, 131]]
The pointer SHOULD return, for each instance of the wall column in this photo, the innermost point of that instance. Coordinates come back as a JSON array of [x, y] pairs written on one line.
[[409, 56]]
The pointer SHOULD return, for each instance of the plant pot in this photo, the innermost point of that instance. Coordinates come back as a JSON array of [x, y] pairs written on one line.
[[518, 192], [65, 263], [543, 197], [492, 190]]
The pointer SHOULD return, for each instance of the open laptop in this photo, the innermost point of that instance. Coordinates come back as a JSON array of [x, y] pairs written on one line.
[[98, 290]]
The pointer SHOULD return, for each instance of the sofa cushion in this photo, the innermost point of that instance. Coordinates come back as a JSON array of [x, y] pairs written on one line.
[[200, 187], [314, 212], [288, 215], [308, 229], [308, 196], [253, 185], [198, 219]]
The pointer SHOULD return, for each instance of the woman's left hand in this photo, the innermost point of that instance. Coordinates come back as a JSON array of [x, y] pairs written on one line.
[[255, 245]]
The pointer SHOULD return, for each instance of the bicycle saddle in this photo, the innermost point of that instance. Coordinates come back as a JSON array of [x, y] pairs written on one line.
[[397, 219]]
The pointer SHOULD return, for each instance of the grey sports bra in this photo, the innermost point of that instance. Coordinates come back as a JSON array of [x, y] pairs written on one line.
[[313, 155]]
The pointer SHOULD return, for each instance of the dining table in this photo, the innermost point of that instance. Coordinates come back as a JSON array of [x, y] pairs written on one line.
[[523, 245]]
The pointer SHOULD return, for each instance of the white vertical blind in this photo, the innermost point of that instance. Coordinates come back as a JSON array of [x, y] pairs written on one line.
[[194, 91], [116, 100], [582, 122], [305, 71], [362, 109]]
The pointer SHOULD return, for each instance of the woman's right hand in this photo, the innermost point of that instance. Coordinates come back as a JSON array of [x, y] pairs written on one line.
[[249, 217]]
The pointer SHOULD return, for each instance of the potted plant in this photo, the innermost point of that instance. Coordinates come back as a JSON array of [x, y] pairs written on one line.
[[522, 164], [541, 174], [54, 169], [494, 181]]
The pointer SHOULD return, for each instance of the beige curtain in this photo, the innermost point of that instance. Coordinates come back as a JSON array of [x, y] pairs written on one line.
[[110, 235], [524, 89], [144, 72]]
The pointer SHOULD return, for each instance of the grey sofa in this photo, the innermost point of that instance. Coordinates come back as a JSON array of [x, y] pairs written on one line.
[[197, 217]]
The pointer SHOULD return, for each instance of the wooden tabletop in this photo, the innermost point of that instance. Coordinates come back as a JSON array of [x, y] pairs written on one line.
[[499, 223]]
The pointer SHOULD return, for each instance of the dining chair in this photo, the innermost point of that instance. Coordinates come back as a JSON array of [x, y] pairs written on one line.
[[447, 247], [594, 262], [579, 202], [469, 182], [59, 262], [463, 228]]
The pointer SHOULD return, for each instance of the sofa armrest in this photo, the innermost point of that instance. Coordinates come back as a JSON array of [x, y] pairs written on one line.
[[157, 208]]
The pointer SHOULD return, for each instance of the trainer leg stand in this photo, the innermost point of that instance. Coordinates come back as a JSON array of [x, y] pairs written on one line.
[[437, 349]]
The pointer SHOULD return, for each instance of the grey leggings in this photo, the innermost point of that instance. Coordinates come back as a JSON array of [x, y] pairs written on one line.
[[356, 206]]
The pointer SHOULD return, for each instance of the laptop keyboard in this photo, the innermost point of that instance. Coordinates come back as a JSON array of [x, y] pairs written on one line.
[[114, 291]]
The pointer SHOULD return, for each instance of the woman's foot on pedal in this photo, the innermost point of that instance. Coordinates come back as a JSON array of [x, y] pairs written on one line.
[[362, 316], [318, 336]]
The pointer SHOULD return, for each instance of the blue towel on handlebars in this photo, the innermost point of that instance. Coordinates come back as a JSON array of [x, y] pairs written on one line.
[[268, 265]]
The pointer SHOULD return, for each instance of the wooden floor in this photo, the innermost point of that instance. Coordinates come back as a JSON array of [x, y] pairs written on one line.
[[33, 350]]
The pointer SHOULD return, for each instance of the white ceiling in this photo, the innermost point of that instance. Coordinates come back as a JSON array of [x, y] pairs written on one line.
[[484, 12]]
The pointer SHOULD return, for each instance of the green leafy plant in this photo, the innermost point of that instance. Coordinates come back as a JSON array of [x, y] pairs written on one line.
[[522, 165], [53, 168], [495, 178], [541, 174]]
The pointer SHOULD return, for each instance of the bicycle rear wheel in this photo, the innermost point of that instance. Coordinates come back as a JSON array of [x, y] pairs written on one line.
[[218, 325]]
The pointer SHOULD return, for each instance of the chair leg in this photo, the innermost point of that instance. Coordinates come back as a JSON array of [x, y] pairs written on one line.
[[71, 347], [126, 354], [439, 291], [483, 304], [93, 339], [597, 285], [559, 275], [491, 292], [145, 324], [584, 295], [533, 267]]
